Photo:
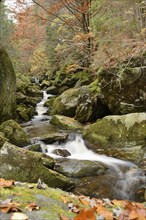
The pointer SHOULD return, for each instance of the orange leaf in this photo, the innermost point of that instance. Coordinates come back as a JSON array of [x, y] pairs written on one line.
[[86, 214], [64, 199], [32, 206], [6, 183], [133, 215], [85, 202], [103, 211]]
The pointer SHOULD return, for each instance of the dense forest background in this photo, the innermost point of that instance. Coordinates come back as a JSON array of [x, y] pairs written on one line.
[[45, 35]]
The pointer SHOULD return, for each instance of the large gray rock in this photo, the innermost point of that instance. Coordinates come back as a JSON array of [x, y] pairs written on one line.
[[27, 166], [120, 136], [7, 87], [14, 133], [66, 103], [65, 122], [79, 168], [124, 90]]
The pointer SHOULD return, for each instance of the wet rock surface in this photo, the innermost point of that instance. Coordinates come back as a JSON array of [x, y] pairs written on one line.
[[119, 136], [28, 166], [79, 168]]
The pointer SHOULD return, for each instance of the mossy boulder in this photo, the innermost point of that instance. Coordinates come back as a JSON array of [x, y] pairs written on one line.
[[66, 103], [84, 103], [120, 136], [34, 90], [27, 166], [68, 76], [14, 133], [124, 89], [53, 137], [2, 139], [79, 168], [7, 87], [65, 122], [24, 113]]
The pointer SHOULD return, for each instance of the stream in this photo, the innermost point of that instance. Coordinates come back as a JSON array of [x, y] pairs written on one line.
[[122, 179]]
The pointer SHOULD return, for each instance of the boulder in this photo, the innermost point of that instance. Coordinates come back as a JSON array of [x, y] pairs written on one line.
[[124, 89], [25, 113], [7, 87], [84, 103], [61, 152], [52, 90], [69, 76], [53, 137], [34, 90], [2, 139], [79, 168], [27, 166], [14, 133], [65, 122], [120, 136], [66, 103]]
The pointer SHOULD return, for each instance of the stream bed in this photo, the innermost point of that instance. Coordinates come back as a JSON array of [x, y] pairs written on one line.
[[94, 174]]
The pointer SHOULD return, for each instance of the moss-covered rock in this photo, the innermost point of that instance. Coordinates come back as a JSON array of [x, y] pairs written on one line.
[[68, 76], [79, 168], [124, 89], [53, 137], [24, 113], [2, 139], [65, 122], [49, 200], [120, 136], [34, 90], [14, 133], [28, 166], [66, 103], [7, 87], [84, 103]]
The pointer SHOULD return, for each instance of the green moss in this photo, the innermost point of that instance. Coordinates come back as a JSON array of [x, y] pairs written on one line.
[[7, 87], [49, 200]]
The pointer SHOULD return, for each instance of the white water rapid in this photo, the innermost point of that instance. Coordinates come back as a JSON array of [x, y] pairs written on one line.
[[41, 109]]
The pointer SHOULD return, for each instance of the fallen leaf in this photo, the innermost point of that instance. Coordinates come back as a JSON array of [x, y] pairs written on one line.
[[6, 183], [105, 212], [86, 214], [63, 217], [19, 216], [85, 201], [133, 215], [10, 207], [64, 199], [32, 206]]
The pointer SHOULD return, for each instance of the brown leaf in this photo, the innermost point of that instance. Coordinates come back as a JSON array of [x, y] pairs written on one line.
[[19, 216], [10, 207], [32, 206], [6, 183], [86, 214], [63, 217]]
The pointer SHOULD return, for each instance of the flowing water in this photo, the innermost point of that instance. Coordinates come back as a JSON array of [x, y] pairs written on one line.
[[128, 176]]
